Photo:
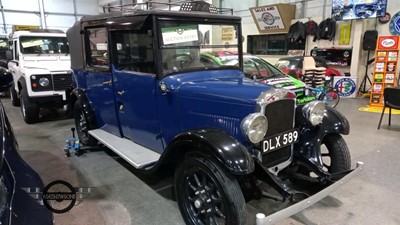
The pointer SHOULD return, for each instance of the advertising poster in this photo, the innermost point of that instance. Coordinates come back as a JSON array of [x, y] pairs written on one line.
[[389, 78], [378, 77], [381, 56], [380, 67], [268, 17], [358, 9]]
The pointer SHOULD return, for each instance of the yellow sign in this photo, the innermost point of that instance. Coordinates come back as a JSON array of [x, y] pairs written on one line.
[[24, 27], [344, 34], [227, 33]]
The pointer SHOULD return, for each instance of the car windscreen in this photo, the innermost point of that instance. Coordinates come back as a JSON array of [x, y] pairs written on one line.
[[283, 64], [253, 67], [43, 45], [183, 43]]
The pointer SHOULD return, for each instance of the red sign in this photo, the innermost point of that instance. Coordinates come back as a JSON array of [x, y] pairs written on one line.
[[388, 42]]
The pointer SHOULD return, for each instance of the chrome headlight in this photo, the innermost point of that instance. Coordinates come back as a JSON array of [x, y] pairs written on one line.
[[254, 127], [314, 112], [44, 81]]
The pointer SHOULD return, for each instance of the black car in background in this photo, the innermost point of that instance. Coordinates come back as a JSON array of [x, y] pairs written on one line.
[[16, 205]]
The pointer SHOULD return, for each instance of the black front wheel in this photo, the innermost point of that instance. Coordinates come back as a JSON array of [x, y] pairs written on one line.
[[14, 96], [82, 126], [30, 110], [335, 154], [207, 194]]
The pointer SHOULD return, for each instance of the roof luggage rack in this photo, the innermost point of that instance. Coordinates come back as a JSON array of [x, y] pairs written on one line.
[[199, 6]]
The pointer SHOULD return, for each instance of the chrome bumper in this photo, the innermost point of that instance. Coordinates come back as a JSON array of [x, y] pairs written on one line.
[[261, 219]]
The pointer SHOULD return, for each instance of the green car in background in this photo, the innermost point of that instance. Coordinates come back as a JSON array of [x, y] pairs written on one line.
[[258, 69]]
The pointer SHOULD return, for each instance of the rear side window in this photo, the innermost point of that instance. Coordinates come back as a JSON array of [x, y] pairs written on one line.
[[97, 47], [133, 50]]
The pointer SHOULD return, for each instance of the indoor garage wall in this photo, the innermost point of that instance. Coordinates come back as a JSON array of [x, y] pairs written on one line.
[[59, 14]]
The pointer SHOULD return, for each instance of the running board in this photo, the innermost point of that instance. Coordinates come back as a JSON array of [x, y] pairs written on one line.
[[136, 155]]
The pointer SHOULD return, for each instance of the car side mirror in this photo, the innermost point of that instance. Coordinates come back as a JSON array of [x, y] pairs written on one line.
[[6, 79], [9, 55]]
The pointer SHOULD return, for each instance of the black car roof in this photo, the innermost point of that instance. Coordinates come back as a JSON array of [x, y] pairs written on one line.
[[75, 38], [192, 14]]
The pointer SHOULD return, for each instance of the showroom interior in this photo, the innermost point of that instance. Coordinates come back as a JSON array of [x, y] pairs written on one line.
[[355, 43]]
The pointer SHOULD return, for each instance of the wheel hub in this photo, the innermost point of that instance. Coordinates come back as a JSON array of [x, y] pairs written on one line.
[[197, 204], [203, 201]]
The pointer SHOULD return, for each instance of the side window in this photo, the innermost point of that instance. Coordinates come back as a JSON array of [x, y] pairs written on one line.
[[97, 42], [15, 52], [133, 51]]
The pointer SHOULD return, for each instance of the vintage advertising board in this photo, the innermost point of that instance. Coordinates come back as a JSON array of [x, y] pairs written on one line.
[[273, 18], [386, 67], [346, 86]]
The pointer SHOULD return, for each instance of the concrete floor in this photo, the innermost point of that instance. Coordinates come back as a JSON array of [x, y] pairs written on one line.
[[125, 197]]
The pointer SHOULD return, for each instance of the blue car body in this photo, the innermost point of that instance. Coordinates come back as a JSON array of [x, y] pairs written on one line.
[[141, 89], [18, 206]]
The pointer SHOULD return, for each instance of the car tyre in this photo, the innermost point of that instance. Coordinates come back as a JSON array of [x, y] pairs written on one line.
[[83, 126], [336, 154], [207, 194], [30, 110], [15, 101]]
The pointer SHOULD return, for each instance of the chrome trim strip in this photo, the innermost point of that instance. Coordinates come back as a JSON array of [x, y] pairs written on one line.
[[261, 219]]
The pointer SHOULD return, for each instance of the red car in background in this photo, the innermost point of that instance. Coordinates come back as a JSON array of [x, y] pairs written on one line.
[[293, 66]]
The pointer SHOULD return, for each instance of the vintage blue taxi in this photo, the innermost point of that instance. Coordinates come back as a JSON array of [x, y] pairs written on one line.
[[142, 90]]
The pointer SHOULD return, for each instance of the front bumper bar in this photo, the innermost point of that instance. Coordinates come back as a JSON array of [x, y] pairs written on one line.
[[261, 219]]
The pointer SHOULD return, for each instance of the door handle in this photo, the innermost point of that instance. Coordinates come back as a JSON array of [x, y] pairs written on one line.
[[121, 92], [106, 82]]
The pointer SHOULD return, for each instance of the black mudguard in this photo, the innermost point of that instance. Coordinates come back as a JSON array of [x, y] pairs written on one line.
[[309, 145], [220, 145], [79, 95], [21, 83]]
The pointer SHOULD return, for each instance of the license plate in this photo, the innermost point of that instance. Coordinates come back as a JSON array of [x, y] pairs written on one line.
[[281, 140]]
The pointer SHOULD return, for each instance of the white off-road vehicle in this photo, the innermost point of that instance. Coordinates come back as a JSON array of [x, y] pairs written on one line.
[[40, 65]]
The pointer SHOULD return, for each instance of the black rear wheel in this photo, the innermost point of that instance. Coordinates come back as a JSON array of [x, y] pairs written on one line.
[[206, 194], [83, 126]]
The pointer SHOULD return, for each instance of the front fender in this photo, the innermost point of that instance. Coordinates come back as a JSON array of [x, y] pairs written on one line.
[[226, 149], [311, 137]]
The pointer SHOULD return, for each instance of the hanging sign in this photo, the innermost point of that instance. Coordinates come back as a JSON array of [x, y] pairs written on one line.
[[268, 18], [271, 18]]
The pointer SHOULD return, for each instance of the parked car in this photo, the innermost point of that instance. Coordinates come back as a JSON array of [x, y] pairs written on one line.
[[226, 135], [293, 66], [260, 70], [255, 68], [16, 205], [39, 61]]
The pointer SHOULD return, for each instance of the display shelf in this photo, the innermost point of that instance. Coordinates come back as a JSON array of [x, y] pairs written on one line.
[[386, 67]]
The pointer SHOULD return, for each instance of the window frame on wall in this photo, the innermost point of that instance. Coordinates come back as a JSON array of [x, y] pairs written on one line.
[[89, 50], [266, 41]]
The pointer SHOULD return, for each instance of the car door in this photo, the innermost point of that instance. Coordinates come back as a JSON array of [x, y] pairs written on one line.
[[98, 77], [13, 64], [135, 82]]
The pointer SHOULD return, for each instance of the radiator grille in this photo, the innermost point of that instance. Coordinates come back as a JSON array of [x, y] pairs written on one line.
[[62, 82], [280, 116]]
